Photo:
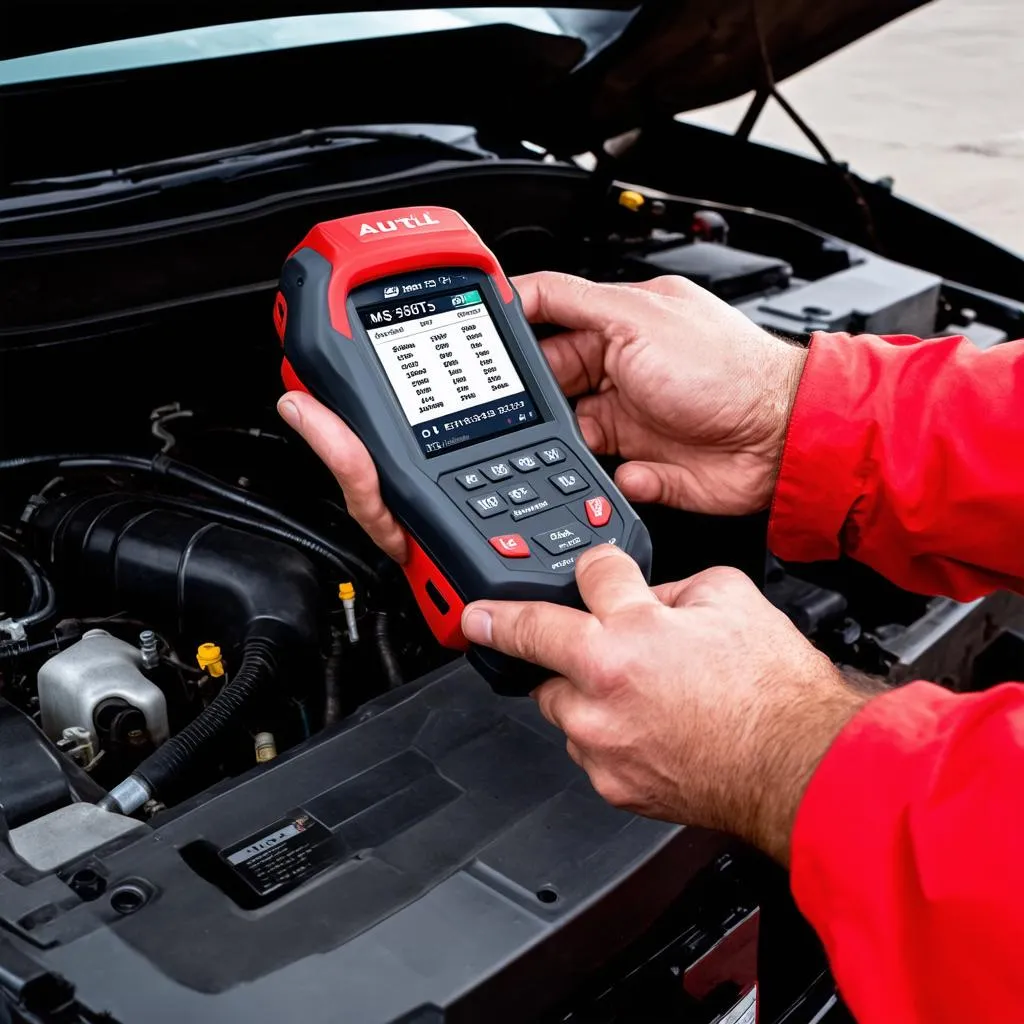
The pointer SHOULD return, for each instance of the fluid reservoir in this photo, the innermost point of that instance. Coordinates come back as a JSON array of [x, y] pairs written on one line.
[[97, 669]]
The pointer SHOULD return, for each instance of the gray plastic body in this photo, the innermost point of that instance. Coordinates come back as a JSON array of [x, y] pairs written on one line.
[[74, 683]]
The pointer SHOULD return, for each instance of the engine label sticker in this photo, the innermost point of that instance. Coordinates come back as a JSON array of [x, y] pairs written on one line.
[[282, 855]]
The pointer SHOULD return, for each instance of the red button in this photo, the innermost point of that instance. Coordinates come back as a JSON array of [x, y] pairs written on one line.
[[510, 545], [599, 511]]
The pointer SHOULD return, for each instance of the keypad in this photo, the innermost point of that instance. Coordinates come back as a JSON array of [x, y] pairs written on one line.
[[508, 490]]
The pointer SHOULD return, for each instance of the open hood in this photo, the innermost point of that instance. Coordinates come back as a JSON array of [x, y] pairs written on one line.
[[565, 77]]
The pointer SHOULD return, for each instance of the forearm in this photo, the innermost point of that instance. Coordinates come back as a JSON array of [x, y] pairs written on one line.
[[906, 455]]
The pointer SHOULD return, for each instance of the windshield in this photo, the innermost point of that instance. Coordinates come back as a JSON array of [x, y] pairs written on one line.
[[596, 28]]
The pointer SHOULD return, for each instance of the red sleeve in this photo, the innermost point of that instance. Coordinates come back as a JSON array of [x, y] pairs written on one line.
[[909, 456], [908, 856]]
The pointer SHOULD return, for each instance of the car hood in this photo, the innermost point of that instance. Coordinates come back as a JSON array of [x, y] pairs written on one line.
[[571, 76]]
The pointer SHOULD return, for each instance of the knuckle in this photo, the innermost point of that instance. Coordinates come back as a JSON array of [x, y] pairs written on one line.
[[610, 788], [587, 727], [673, 284], [527, 632]]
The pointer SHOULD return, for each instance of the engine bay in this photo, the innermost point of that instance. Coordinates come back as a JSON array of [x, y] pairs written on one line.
[[183, 590]]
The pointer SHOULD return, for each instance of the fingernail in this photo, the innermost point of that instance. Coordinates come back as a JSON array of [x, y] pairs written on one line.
[[477, 625], [289, 412]]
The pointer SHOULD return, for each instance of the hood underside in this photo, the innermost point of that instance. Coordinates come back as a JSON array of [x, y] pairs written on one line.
[[665, 59]]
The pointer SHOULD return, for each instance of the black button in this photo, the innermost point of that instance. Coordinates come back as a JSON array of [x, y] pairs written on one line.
[[496, 471], [471, 479], [551, 455], [525, 463], [525, 511], [520, 494], [563, 539], [488, 505], [569, 482]]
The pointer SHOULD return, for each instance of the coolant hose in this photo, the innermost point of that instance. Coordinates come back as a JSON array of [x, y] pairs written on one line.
[[42, 598], [158, 773]]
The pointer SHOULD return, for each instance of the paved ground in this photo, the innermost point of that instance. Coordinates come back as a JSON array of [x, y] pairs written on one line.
[[936, 100]]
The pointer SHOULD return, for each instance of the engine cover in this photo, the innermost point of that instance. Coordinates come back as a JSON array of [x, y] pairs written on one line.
[[437, 850]]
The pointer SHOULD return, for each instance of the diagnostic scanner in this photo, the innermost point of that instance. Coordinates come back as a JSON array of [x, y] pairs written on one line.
[[403, 323]]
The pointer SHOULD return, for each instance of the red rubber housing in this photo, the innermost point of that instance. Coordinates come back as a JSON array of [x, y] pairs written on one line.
[[398, 241], [446, 626]]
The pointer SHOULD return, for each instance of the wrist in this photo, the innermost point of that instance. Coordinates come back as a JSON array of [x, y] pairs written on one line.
[[801, 730], [777, 401]]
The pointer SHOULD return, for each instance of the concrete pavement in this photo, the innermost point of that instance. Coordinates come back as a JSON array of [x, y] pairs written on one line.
[[935, 100]]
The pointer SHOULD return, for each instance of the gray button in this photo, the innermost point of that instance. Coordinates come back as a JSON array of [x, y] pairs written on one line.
[[525, 511], [471, 479], [496, 471], [488, 505], [562, 539], [517, 495], [551, 455], [569, 482], [525, 463]]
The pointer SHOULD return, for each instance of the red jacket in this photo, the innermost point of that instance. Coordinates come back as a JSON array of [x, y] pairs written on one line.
[[908, 850]]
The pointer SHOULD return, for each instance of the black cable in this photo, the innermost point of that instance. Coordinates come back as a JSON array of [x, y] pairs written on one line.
[[343, 561], [332, 678], [42, 598], [388, 658], [172, 761]]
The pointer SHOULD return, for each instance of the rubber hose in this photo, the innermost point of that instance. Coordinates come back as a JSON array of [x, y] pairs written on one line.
[[332, 678], [161, 465], [338, 559], [200, 738], [388, 658], [42, 598]]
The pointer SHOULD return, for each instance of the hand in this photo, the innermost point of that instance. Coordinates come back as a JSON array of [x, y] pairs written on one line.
[[695, 702], [684, 386], [679, 382]]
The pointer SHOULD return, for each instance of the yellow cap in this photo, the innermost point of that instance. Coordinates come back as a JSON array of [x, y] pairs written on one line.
[[346, 592], [208, 657], [631, 200]]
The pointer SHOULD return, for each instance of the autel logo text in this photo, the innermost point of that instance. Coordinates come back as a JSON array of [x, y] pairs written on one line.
[[383, 226]]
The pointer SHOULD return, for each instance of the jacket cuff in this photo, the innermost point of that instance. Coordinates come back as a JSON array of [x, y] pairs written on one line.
[[825, 459]]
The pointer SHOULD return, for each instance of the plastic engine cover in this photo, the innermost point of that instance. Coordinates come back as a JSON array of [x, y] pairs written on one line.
[[439, 850]]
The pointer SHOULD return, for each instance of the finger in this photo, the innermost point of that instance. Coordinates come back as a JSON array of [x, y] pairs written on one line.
[[574, 302], [650, 482], [346, 457], [594, 434], [610, 581], [576, 359], [574, 752], [556, 699], [546, 634]]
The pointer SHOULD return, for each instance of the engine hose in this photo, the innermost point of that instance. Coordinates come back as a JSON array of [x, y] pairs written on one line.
[[161, 465], [388, 658], [332, 678], [42, 598], [158, 773], [340, 560]]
